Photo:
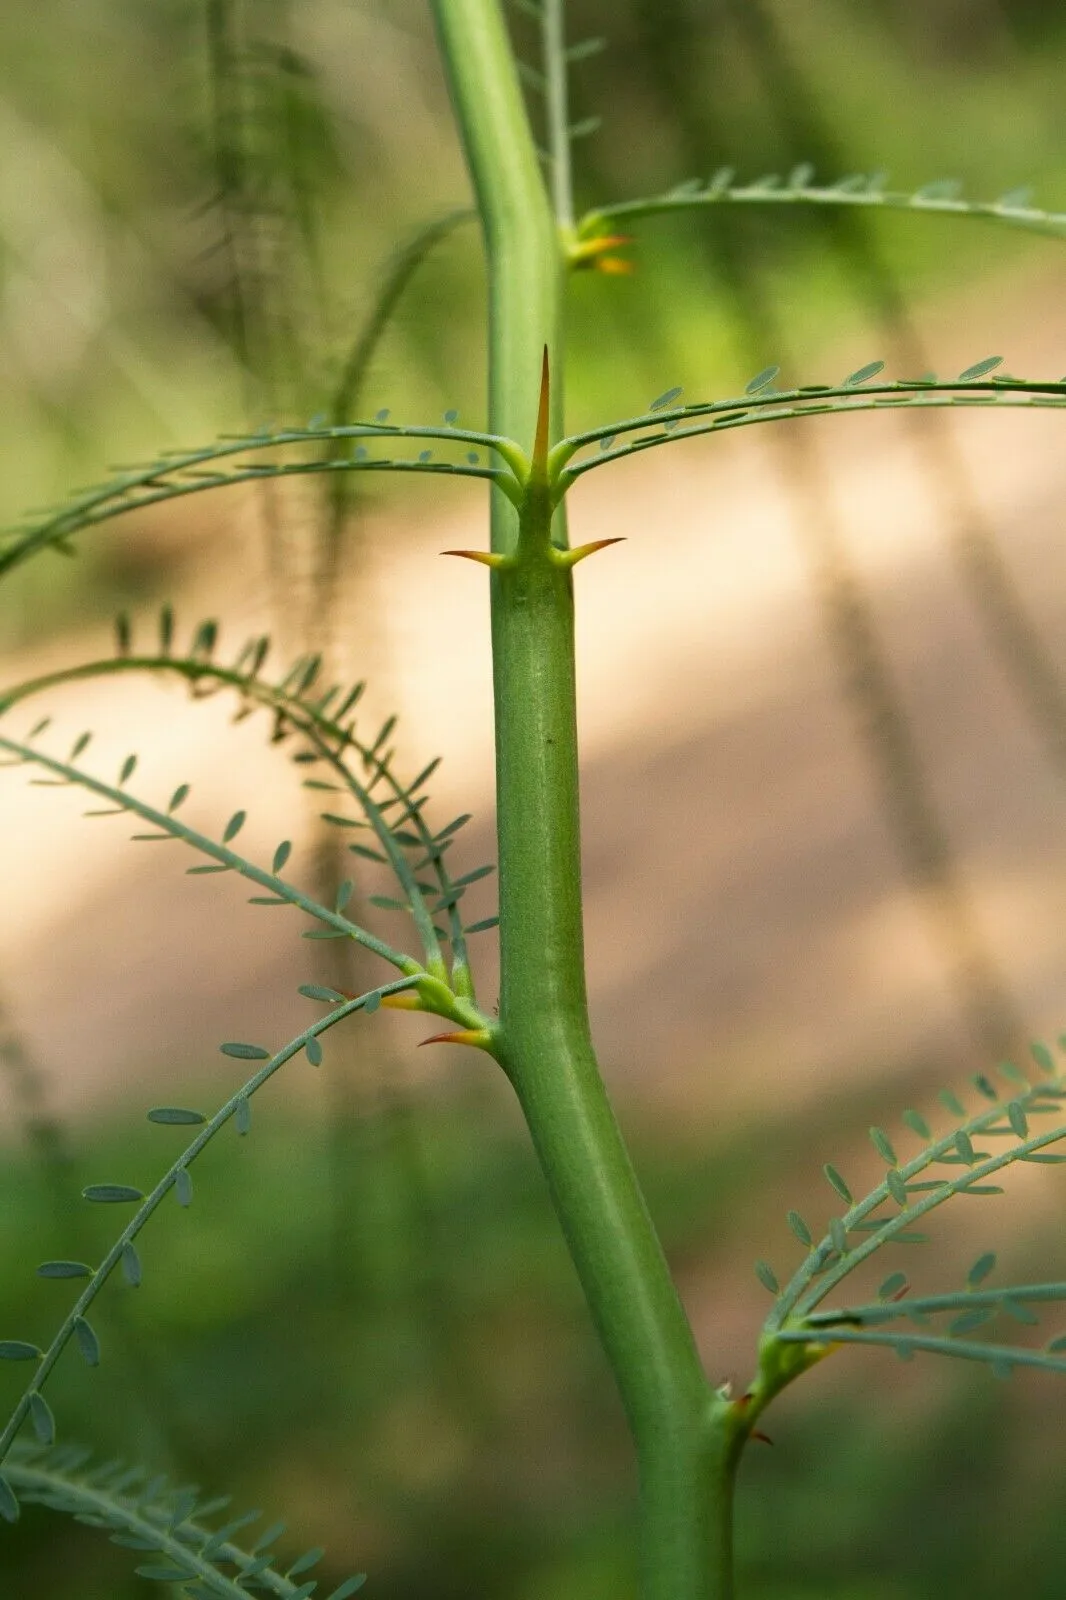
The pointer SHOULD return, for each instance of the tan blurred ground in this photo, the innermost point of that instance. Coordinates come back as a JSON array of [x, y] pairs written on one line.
[[751, 937]]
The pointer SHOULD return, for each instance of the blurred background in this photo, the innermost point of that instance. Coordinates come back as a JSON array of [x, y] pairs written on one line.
[[824, 711]]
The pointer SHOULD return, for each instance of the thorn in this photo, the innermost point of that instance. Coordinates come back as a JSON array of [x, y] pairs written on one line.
[[488, 558], [570, 558], [901, 1292], [477, 1038], [540, 443], [404, 1000], [765, 1437], [592, 253]]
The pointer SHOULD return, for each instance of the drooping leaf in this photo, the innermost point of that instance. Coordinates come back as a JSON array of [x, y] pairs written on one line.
[[176, 1116], [131, 1265], [242, 1116], [314, 1052], [883, 1145], [63, 1269], [183, 1187], [917, 1123], [9, 1506], [767, 1276], [244, 1052], [111, 1193], [800, 1228], [981, 1269], [44, 1423], [18, 1350], [87, 1342]]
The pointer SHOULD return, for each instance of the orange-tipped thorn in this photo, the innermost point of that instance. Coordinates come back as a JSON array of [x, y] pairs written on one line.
[[404, 1000], [765, 1437], [476, 1038], [592, 253], [570, 558], [540, 443], [488, 558]]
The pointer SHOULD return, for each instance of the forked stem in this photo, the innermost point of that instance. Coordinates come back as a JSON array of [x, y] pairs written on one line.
[[686, 1438]]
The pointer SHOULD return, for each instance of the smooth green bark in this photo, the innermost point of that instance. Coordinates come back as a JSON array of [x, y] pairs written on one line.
[[679, 1426]]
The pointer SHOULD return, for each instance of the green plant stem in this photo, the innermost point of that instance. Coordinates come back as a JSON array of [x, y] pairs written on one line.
[[553, 30], [685, 1450], [526, 264]]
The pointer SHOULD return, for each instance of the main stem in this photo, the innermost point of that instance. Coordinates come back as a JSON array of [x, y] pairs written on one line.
[[685, 1436]]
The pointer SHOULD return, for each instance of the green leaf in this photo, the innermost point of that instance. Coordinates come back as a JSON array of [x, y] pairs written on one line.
[[281, 855], [314, 1052], [473, 877], [131, 1265], [892, 1286], [367, 853], [864, 374], [896, 1187], [969, 1320], [883, 1145], [800, 1228], [163, 1574], [18, 1350], [242, 1115], [662, 401], [245, 1052], [483, 926], [386, 902], [348, 1587], [304, 1563], [111, 1193], [762, 380], [837, 1182], [767, 1276], [127, 769], [64, 1269], [318, 991], [964, 1145], [985, 1086], [981, 1269], [980, 368], [183, 1187], [839, 1235], [952, 1102], [234, 826], [9, 1506], [44, 1423], [88, 1343], [175, 1116], [917, 1124], [372, 1001], [1042, 1056], [1017, 1119]]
